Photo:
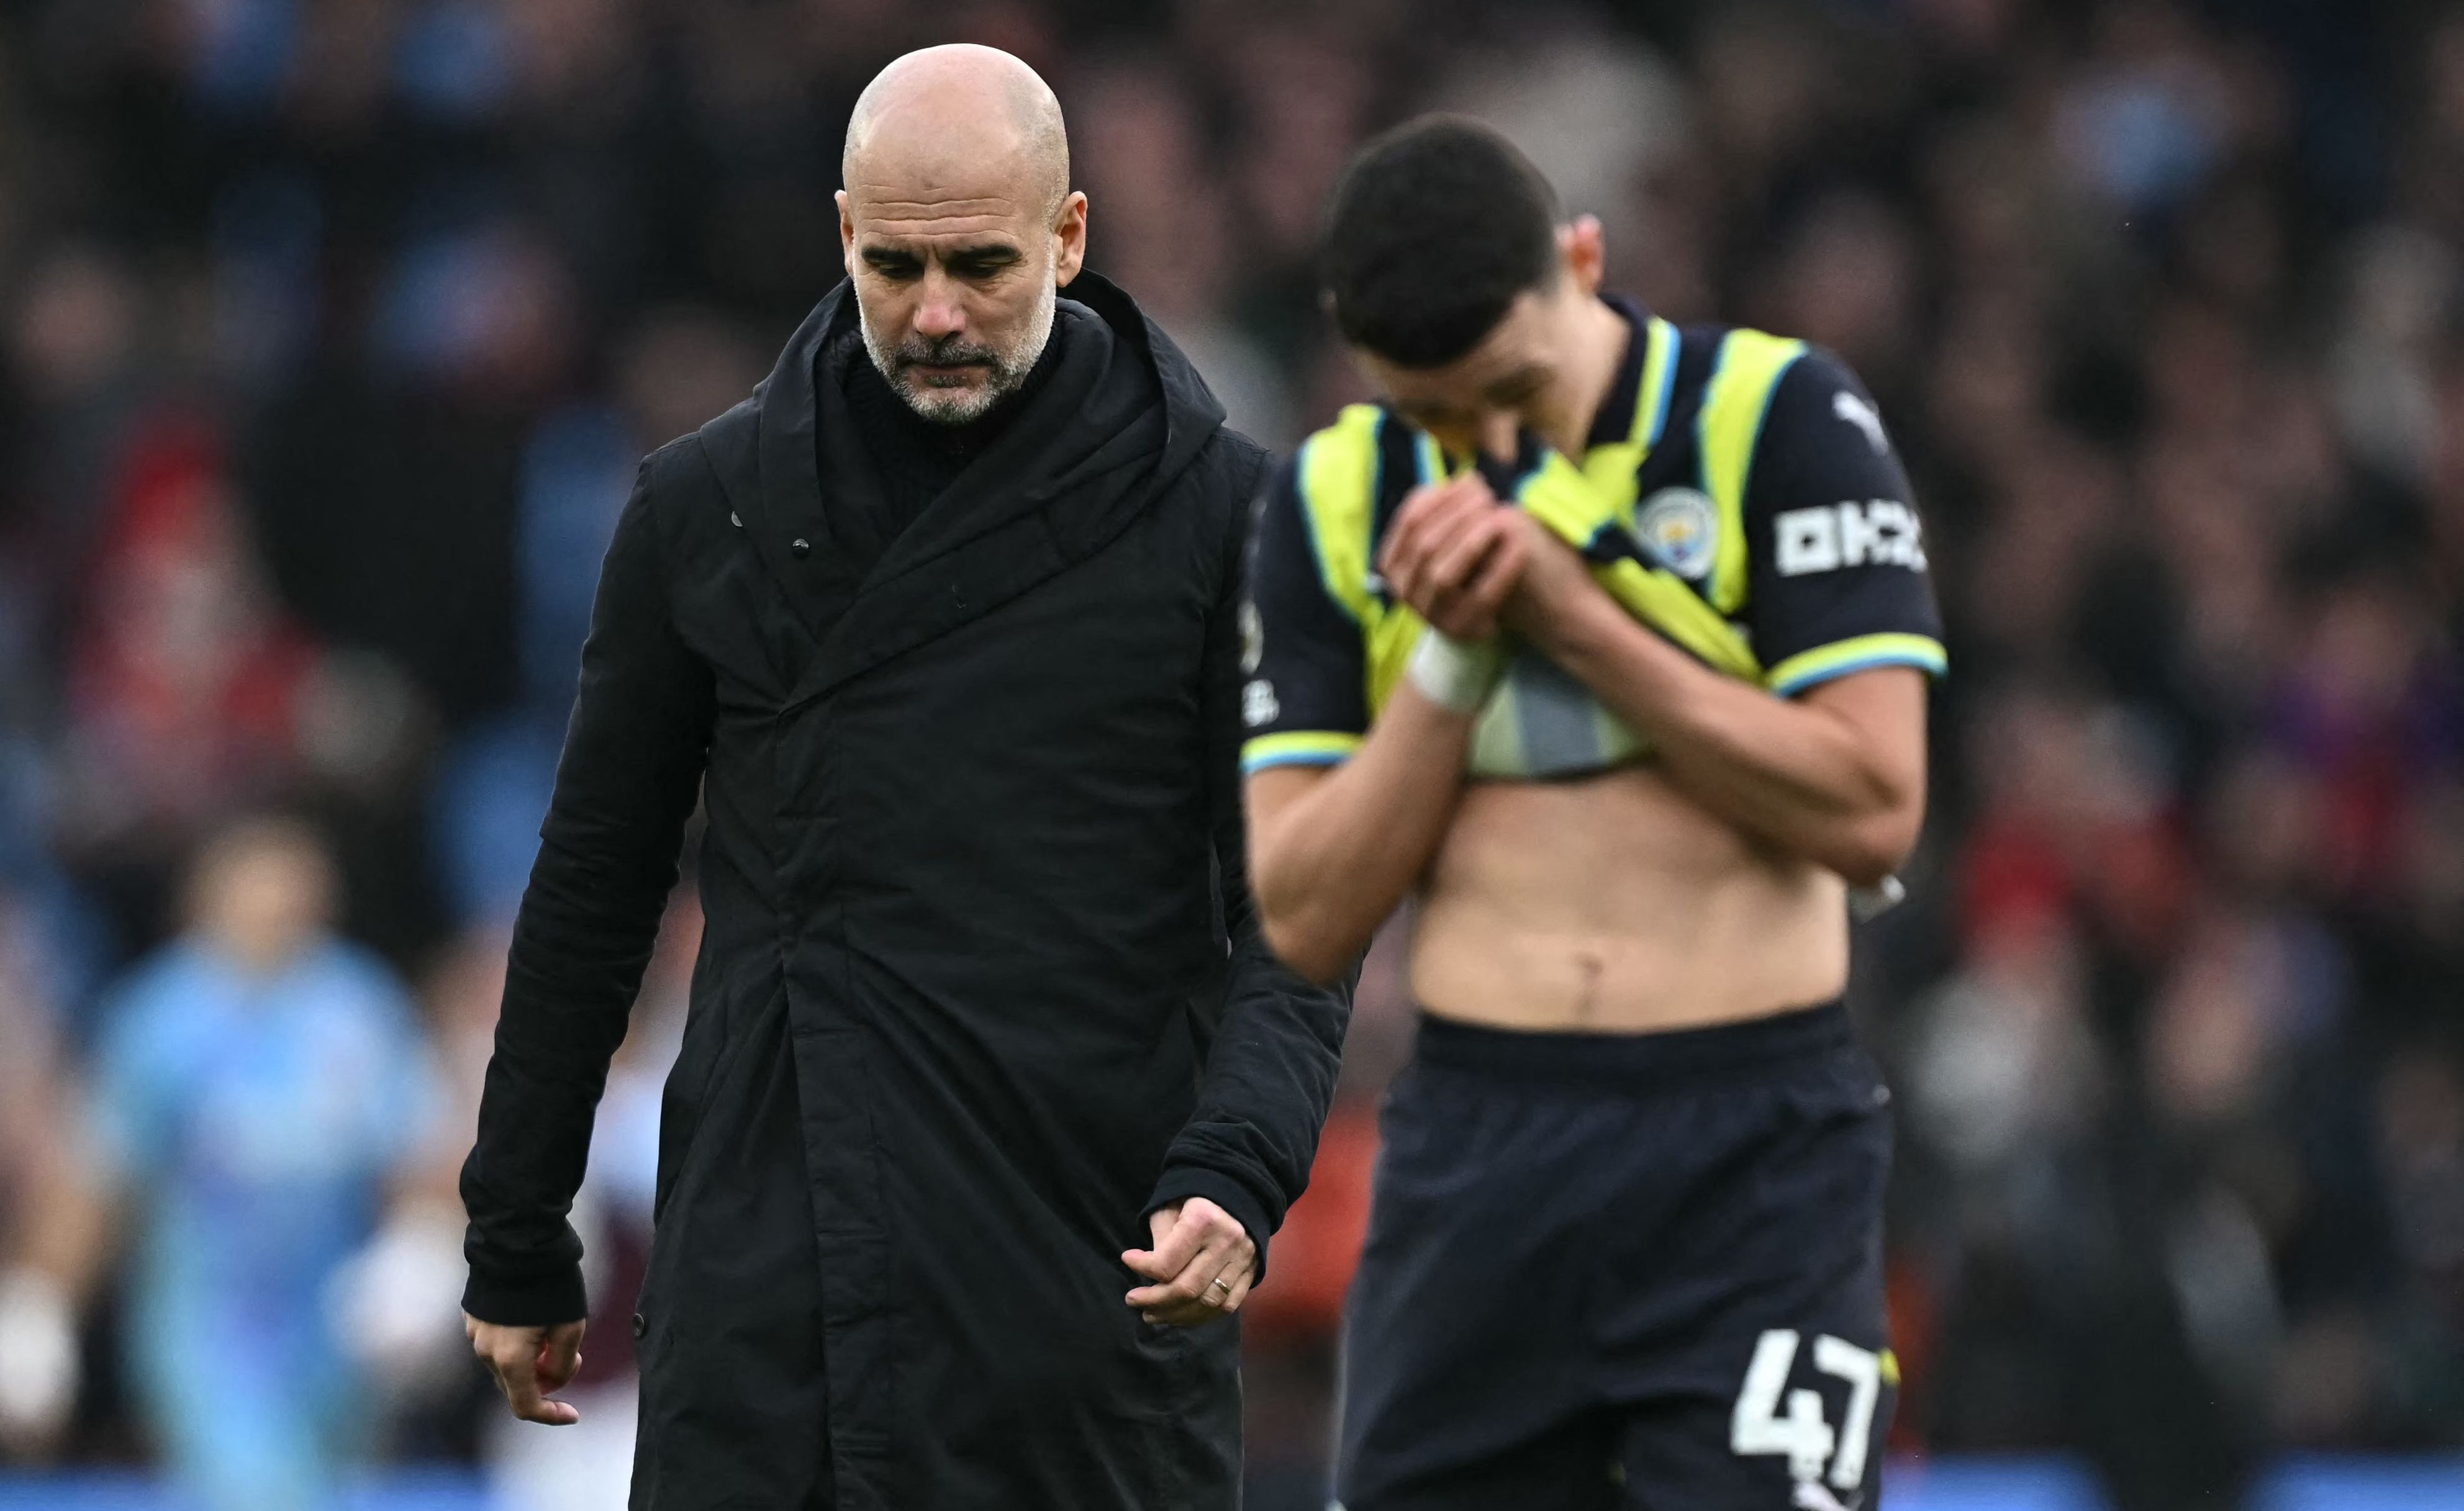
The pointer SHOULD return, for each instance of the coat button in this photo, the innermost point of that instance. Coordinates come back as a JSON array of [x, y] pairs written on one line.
[[639, 1326], [800, 546]]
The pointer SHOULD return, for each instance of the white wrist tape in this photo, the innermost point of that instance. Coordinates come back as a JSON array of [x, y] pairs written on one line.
[[1457, 676]]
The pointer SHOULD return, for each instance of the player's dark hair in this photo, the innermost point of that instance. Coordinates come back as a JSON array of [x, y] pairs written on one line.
[[1436, 227]]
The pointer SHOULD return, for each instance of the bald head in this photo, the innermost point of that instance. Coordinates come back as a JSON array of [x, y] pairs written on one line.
[[958, 225], [944, 114]]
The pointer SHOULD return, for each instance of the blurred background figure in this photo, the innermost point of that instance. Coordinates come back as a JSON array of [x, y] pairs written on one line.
[[330, 335], [46, 1211], [256, 1084]]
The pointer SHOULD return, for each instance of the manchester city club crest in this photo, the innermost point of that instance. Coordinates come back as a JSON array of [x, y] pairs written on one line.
[[1680, 530]]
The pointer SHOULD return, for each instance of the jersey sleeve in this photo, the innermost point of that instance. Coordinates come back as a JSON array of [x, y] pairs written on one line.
[[1305, 702], [1837, 558]]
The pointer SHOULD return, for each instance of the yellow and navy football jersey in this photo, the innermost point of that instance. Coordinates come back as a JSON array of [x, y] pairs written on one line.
[[1738, 494]]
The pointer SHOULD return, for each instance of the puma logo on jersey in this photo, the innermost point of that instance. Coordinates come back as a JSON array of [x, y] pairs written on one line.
[[1863, 416], [1880, 532]]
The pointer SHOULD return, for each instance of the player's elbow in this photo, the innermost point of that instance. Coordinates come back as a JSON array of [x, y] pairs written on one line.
[[1300, 923], [1862, 866], [1297, 924], [1870, 848], [1304, 943]]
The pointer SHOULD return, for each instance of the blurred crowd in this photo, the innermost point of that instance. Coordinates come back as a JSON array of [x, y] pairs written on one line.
[[331, 331]]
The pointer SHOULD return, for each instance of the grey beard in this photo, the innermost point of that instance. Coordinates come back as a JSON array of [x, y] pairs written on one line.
[[1007, 370]]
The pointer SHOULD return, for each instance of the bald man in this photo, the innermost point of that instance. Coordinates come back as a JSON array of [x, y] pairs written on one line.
[[990, 1096]]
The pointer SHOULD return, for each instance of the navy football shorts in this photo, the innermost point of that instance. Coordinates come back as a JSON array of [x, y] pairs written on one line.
[[1609, 1271]]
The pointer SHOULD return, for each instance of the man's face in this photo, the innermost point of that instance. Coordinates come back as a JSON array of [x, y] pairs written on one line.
[[955, 283], [1480, 400]]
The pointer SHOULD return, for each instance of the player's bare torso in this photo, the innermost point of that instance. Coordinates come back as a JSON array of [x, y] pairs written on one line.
[[1612, 903]]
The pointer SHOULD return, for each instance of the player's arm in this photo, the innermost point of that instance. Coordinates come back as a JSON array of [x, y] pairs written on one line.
[[1836, 775], [1827, 761], [1333, 849], [1342, 824]]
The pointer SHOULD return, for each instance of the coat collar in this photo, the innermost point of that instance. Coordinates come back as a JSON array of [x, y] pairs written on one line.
[[1013, 519]]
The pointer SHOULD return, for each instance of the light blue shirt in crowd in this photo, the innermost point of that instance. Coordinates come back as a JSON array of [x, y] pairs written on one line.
[[253, 1120]]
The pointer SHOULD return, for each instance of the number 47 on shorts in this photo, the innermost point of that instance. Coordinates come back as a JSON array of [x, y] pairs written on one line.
[[1759, 1425]]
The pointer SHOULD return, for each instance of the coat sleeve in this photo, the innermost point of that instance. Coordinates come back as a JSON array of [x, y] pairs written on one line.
[[1270, 1071], [625, 787]]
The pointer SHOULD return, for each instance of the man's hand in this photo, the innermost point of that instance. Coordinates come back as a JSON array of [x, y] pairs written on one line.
[[528, 1363], [1553, 586], [1455, 556], [1202, 1263]]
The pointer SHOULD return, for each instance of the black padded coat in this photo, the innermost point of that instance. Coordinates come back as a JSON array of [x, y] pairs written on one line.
[[979, 984]]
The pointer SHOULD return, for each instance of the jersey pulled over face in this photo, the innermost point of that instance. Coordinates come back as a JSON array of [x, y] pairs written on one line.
[[1737, 492]]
